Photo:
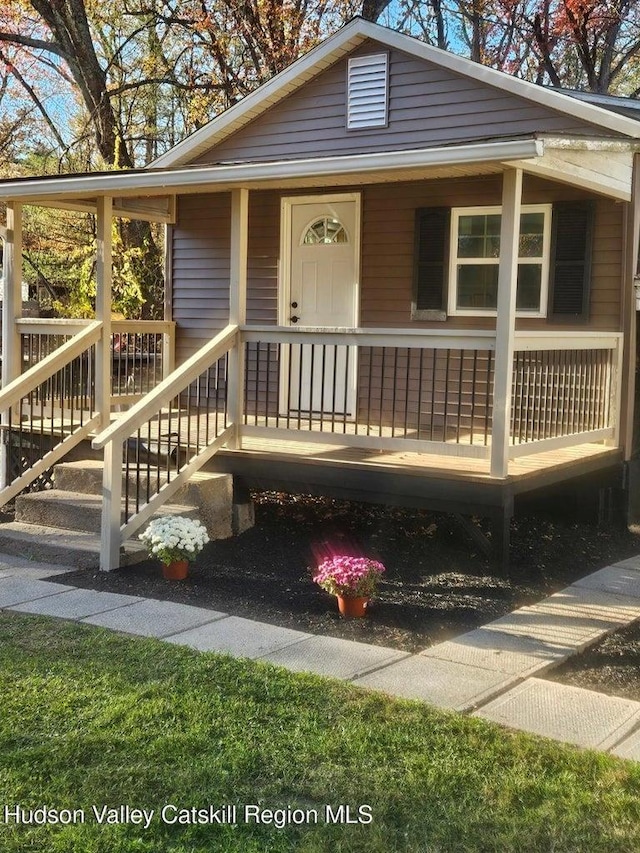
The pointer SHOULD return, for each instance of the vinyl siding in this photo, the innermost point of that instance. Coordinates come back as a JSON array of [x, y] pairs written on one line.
[[201, 256], [428, 106], [388, 247], [200, 252], [264, 250], [201, 241], [201, 266]]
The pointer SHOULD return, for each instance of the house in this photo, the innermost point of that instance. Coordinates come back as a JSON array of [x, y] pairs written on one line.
[[392, 274]]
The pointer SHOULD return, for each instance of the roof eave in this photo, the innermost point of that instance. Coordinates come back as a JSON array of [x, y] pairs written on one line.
[[291, 78], [347, 39], [169, 181]]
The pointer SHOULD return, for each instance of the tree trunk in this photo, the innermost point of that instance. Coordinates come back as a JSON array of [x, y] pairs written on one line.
[[372, 9], [67, 21]]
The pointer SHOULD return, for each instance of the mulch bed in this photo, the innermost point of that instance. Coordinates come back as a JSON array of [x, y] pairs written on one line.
[[437, 584], [612, 667]]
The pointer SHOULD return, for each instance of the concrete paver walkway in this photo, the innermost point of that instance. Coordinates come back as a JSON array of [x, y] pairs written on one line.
[[240, 637], [491, 672], [566, 713]]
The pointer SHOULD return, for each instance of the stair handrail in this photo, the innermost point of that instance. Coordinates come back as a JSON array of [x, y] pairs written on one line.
[[111, 440], [22, 387], [167, 390], [45, 369]]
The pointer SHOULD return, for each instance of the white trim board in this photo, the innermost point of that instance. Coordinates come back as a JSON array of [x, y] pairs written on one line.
[[199, 178]]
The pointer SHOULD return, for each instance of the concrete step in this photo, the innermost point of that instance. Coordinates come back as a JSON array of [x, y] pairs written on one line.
[[86, 476], [62, 547], [76, 511], [211, 493]]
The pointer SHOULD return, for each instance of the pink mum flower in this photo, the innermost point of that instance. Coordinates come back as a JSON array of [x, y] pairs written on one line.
[[353, 577]]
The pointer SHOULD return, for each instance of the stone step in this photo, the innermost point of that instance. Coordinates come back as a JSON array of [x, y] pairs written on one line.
[[84, 476], [62, 547], [76, 511]]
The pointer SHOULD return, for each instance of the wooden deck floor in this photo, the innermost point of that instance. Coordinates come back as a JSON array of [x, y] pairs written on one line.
[[582, 458], [344, 468], [455, 484], [574, 460]]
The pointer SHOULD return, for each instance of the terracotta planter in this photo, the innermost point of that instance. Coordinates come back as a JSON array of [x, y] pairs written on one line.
[[176, 571], [352, 606]]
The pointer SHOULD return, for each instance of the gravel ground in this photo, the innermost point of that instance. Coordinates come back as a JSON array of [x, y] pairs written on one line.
[[436, 586]]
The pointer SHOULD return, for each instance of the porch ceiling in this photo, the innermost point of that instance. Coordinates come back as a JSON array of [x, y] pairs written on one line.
[[142, 207], [602, 166]]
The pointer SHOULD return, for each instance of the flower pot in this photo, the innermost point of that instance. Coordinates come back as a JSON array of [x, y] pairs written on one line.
[[352, 606], [176, 571]]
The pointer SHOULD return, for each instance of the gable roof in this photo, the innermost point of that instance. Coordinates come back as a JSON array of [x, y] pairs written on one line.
[[346, 40]]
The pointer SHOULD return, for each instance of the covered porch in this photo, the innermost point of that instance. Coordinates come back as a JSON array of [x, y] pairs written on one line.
[[462, 417]]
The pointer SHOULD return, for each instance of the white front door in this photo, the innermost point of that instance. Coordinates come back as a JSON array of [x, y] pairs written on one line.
[[321, 249]]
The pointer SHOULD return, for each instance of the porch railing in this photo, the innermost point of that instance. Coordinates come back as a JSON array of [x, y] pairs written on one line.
[[389, 389], [163, 440], [565, 392], [47, 411], [141, 351], [428, 391]]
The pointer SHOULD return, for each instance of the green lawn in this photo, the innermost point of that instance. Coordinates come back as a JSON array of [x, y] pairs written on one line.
[[90, 718]]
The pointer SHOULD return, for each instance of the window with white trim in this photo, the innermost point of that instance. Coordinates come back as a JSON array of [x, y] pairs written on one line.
[[475, 258], [367, 91]]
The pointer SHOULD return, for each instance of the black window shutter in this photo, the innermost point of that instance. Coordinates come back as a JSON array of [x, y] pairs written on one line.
[[570, 274], [431, 258]]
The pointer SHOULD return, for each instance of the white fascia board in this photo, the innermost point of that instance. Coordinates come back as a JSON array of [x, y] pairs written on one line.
[[346, 40], [173, 181], [593, 143], [514, 85], [255, 103]]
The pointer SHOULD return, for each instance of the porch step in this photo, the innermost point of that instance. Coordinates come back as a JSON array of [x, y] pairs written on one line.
[[75, 510], [62, 525], [212, 493], [62, 547], [86, 477]]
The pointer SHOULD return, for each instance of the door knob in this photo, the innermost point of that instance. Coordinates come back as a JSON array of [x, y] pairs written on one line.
[[294, 304], [294, 319]]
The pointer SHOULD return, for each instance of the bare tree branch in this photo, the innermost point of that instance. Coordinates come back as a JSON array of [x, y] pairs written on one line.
[[36, 100]]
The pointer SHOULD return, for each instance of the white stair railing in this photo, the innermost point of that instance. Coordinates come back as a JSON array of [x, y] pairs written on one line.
[[163, 440], [47, 411]]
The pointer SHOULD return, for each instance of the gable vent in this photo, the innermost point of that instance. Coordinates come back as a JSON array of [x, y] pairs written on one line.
[[368, 87]]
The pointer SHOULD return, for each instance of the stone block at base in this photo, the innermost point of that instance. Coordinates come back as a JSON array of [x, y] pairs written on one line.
[[243, 518], [212, 494]]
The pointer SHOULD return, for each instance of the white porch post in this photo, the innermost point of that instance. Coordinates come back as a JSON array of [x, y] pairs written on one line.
[[12, 299], [112, 475], [627, 358], [11, 311], [506, 320], [238, 307], [168, 341], [103, 308]]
